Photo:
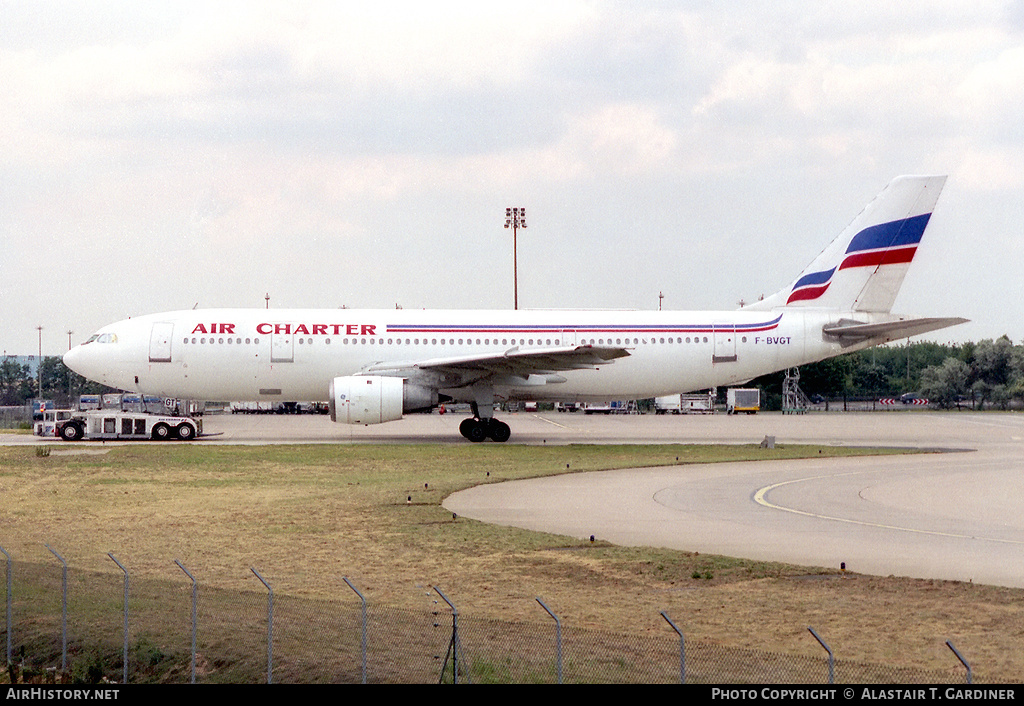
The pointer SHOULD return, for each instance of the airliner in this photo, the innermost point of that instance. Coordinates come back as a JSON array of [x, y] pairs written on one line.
[[373, 366]]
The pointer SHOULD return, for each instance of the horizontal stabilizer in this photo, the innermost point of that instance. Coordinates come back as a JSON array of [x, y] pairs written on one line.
[[849, 332]]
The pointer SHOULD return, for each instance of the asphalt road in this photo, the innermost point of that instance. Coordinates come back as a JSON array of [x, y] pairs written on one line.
[[955, 515]]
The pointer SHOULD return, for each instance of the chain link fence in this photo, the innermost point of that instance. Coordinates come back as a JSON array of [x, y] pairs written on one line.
[[245, 637]]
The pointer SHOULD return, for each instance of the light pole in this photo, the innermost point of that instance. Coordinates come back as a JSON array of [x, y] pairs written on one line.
[[515, 218], [69, 369], [39, 364]]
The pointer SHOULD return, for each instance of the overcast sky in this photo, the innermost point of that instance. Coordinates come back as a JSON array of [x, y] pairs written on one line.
[[155, 156]]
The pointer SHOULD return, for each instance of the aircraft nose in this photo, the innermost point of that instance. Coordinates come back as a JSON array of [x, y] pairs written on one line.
[[83, 361], [73, 359]]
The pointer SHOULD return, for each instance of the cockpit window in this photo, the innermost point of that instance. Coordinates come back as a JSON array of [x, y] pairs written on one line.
[[102, 338]]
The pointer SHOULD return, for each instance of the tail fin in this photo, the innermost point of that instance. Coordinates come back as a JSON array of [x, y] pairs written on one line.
[[863, 269]]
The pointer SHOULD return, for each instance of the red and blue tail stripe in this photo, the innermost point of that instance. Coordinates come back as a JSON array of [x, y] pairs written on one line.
[[811, 286], [884, 244]]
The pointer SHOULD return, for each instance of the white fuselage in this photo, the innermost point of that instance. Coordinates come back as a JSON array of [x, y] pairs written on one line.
[[255, 354]]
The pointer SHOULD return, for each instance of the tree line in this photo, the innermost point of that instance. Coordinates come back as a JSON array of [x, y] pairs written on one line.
[[59, 383], [989, 373]]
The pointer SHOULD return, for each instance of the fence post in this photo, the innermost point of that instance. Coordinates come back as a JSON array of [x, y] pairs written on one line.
[[682, 648], [363, 640], [961, 658], [453, 645], [270, 627], [558, 638], [63, 610], [195, 591], [831, 658], [124, 671], [9, 624]]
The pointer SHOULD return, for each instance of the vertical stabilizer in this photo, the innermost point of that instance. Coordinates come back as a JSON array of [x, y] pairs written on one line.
[[863, 269]]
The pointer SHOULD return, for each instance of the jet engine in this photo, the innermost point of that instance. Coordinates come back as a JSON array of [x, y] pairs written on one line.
[[374, 399]]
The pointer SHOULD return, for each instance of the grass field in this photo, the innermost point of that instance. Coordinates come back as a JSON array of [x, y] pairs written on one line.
[[307, 515]]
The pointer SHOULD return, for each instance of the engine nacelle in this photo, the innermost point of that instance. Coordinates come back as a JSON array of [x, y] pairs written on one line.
[[374, 399]]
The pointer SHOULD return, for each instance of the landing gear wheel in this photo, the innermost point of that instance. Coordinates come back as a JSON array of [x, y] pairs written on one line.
[[71, 432], [185, 431], [499, 431], [161, 432], [476, 431]]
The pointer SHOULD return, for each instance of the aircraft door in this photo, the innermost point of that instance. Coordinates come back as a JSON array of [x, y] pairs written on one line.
[[282, 348], [725, 343], [160, 342], [567, 337]]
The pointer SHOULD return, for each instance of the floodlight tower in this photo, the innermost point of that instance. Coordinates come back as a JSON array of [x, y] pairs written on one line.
[[39, 363], [69, 369], [515, 218]]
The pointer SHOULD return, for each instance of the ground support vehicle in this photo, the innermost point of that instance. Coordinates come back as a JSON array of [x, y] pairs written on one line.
[[743, 400], [49, 421], [613, 407], [110, 424], [685, 404]]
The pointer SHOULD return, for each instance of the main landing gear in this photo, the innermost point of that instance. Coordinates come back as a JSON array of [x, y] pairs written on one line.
[[477, 430], [482, 425]]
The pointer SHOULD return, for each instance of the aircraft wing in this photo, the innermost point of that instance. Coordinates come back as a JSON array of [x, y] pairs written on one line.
[[512, 366], [849, 332]]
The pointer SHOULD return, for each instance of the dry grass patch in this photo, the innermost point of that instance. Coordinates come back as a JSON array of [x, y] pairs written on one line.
[[307, 515]]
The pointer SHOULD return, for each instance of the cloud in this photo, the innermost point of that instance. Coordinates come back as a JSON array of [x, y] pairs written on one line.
[[227, 127]]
